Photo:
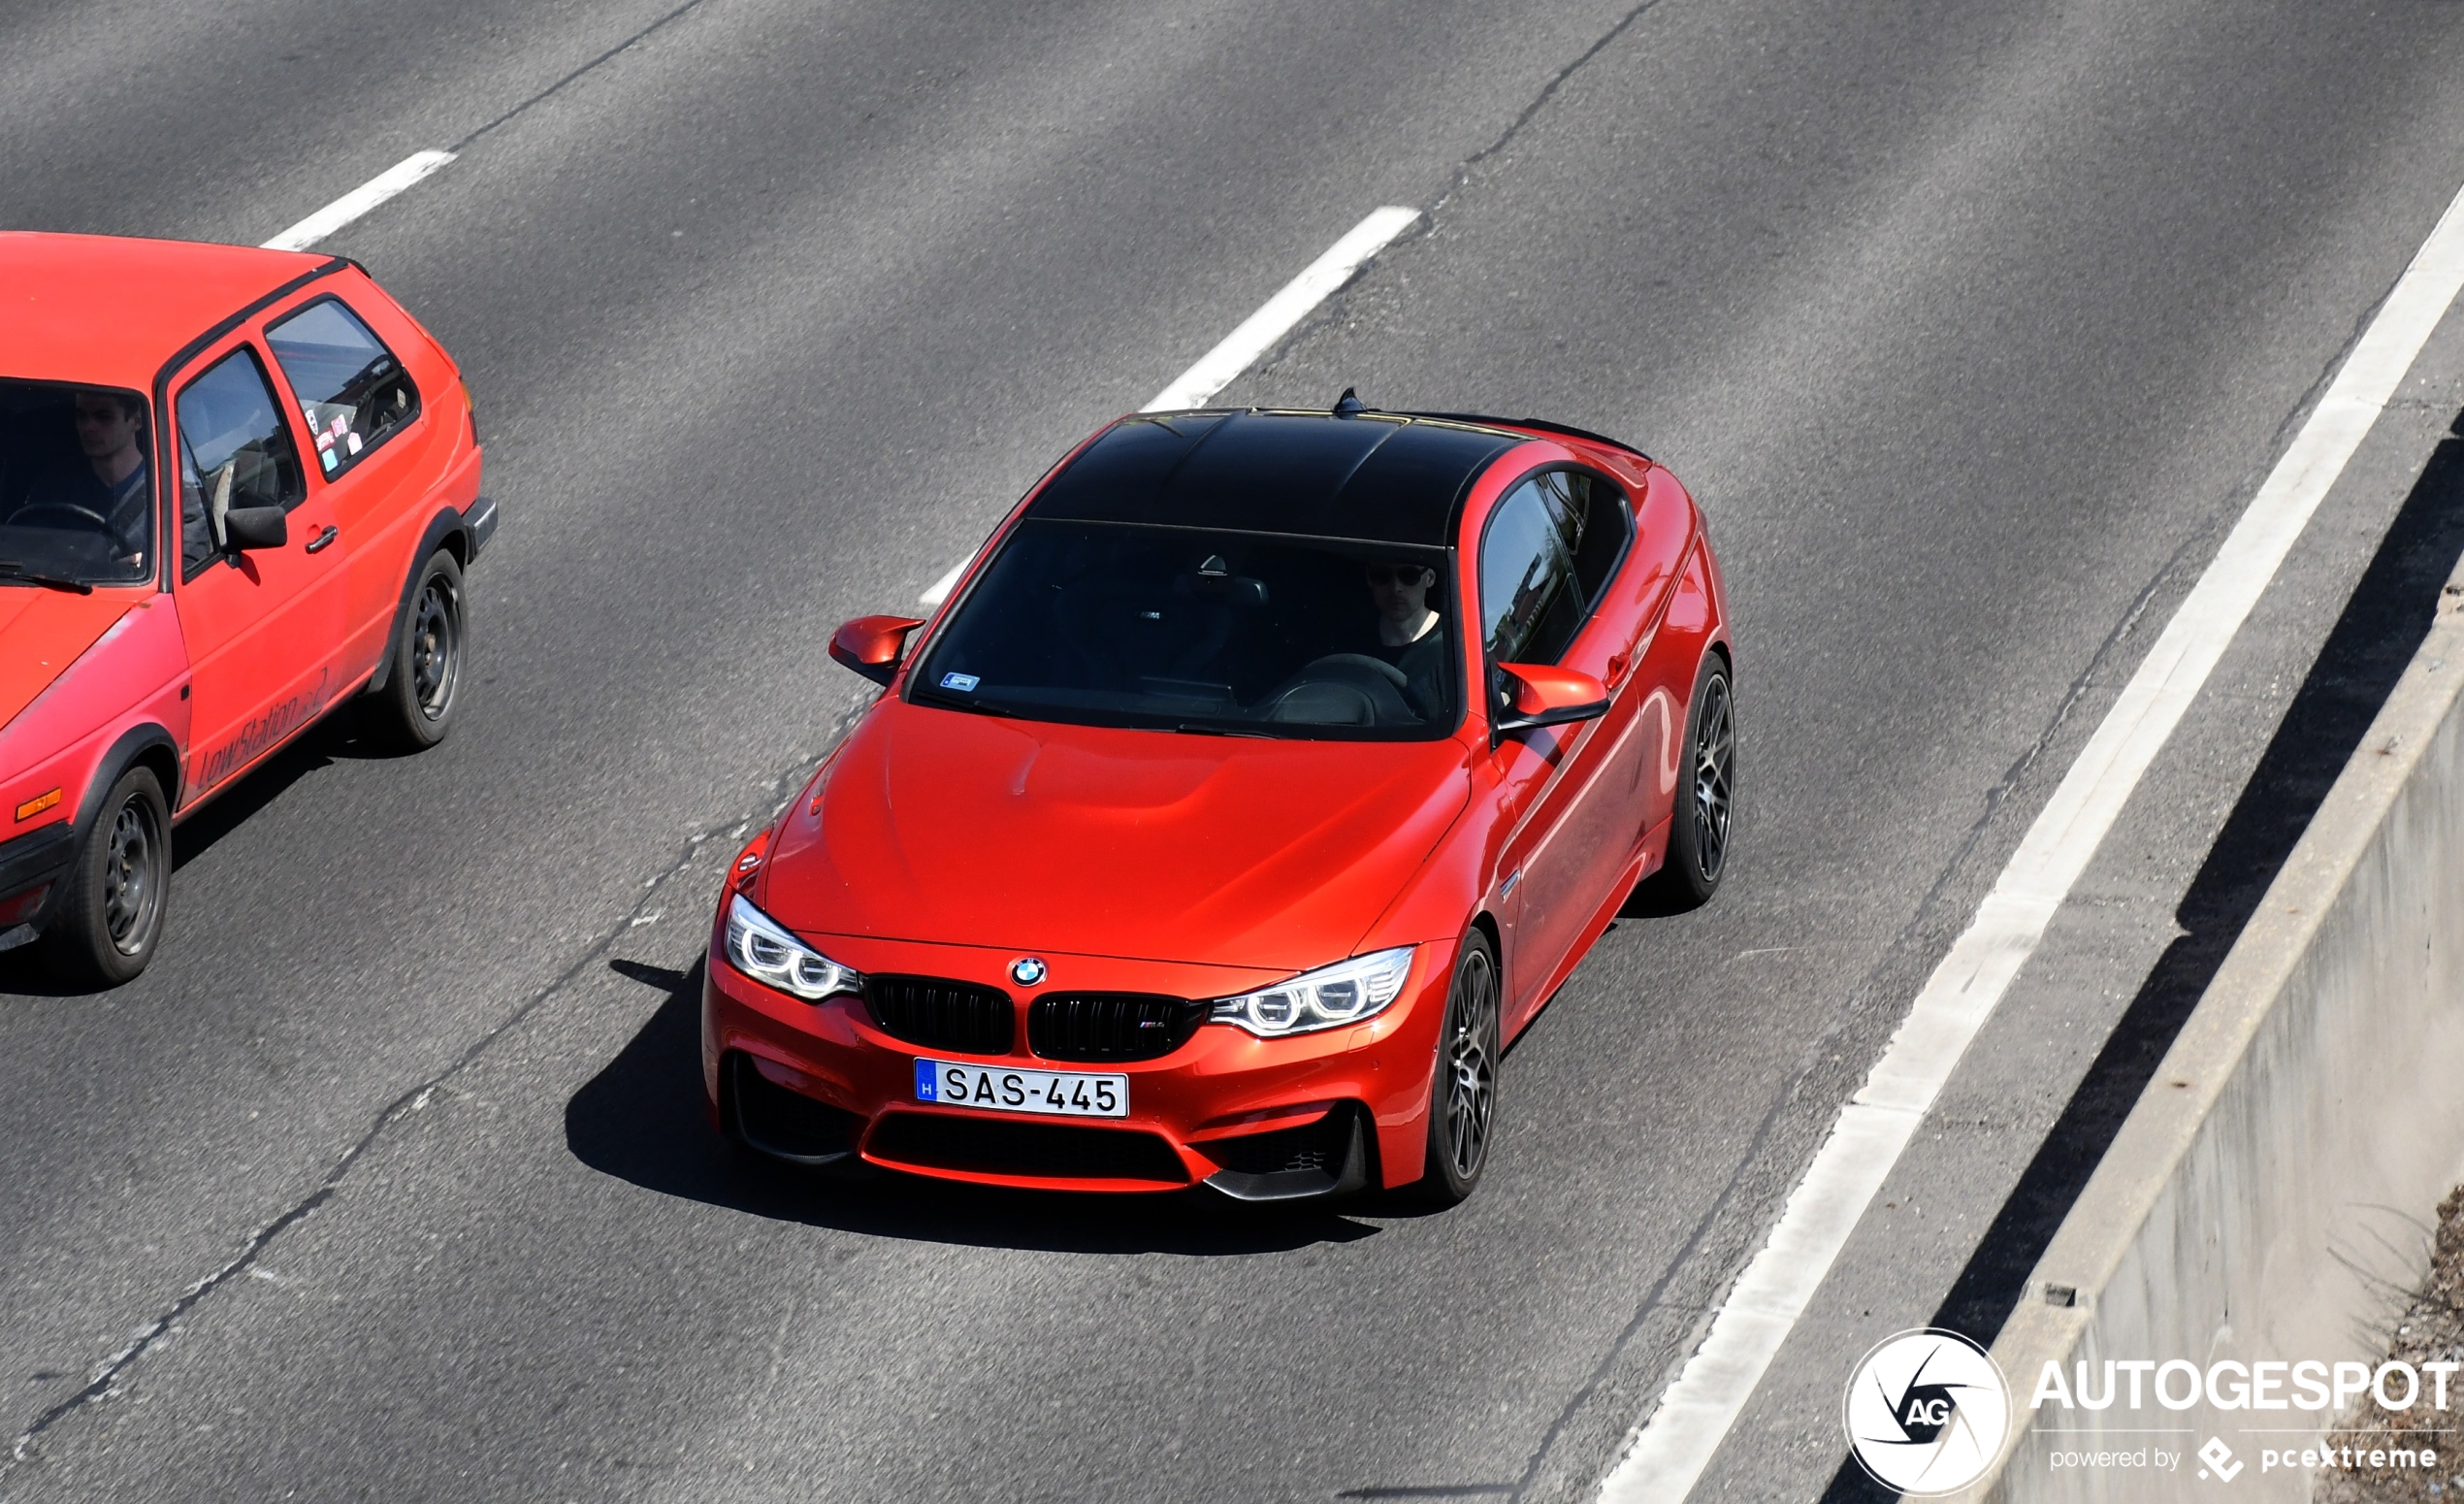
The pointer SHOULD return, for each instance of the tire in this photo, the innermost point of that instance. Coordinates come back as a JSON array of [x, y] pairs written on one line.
[[1702, 829], [111, 917], [415, 711], [1462, 1088]]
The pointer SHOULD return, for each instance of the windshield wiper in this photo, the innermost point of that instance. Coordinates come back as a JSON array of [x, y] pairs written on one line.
[[947, 702], [10, 569], [1195, 728]]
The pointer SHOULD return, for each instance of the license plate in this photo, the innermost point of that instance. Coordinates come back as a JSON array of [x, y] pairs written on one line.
[[1069, 1094]]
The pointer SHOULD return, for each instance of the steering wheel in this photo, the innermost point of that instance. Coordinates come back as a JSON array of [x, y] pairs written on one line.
[[102, 524], [1343, 689]]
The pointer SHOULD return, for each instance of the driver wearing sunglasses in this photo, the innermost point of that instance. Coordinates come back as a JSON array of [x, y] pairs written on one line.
[[1410, 635]]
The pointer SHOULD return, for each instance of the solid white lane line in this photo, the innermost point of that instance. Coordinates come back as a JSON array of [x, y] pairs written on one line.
[[1696, 1411], [1258, 333], [941, 588], [359, 200]]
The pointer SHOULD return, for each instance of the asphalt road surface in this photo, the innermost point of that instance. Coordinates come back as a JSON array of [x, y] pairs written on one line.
[[1972, 325]]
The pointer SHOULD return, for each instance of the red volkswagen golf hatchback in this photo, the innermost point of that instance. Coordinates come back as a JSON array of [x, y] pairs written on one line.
[[237, 486], [1265, 774]]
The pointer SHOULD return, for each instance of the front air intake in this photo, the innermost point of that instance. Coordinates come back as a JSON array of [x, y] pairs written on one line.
[[1025, 1150]]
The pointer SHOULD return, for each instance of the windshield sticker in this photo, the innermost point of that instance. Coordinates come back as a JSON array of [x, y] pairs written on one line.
[[960, 681]]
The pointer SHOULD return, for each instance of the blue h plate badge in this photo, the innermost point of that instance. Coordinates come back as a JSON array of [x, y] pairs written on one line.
[[927, 1082]]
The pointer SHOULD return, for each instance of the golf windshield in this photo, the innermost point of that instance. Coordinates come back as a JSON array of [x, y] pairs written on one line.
[[76, 486], [1200, 630]]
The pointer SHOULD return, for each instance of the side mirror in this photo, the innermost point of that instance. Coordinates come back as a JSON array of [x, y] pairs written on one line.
[[1544, 694], [871, 645], [255, 527]]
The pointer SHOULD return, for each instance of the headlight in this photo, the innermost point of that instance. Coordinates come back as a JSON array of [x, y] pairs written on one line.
[[1345, 993], [759, 947]]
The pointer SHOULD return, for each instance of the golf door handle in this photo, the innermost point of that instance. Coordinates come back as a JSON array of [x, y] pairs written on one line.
[[319, 542]]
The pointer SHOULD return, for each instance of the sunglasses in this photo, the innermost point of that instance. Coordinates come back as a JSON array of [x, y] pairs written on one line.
[[1396, 574]]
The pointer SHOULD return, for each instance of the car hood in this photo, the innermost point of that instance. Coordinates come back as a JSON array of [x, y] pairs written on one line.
[[42, 631], [948, 826]]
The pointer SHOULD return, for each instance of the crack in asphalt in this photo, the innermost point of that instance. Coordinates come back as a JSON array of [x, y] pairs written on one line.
[[1539, 101], [625, 45], [106, 1380], [1330, 308]]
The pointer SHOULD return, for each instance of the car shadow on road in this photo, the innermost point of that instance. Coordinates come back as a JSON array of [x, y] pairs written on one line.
[[641, 1119], [343, 735]]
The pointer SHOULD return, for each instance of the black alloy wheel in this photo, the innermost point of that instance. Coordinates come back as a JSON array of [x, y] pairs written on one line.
[[1701, 825], [419, 700], [110, 913], [1463, 1091]]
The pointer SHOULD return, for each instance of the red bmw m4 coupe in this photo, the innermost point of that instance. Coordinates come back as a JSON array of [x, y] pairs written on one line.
[[1263, 776]]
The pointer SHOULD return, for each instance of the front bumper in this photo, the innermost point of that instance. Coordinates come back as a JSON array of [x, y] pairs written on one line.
[[32, 867], [479, 524], [1318, 1114]]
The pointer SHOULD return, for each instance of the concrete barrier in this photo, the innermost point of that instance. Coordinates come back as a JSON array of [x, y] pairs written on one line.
[[2270, 1196]]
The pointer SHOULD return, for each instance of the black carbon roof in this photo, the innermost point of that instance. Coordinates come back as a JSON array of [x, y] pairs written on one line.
[[1376, 476]]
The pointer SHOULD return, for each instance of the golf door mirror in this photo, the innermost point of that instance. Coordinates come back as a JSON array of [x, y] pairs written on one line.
[[872, 646], [1544, 694], [255, 527]]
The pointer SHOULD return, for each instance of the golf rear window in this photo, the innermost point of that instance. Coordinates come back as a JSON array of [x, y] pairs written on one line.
[[352, 391]]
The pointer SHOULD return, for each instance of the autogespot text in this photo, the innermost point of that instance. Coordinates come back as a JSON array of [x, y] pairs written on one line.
[[2226, 1385], [2321, 1388]]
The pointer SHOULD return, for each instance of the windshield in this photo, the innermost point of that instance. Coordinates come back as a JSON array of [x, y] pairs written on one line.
[[77, 488], [1199, 630]]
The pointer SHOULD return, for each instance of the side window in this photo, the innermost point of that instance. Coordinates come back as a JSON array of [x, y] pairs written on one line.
[[1530, 601], [1604, 525], [234, 451], [352, 391]]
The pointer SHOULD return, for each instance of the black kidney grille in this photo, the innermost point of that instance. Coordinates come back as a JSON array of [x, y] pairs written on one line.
[[1111, 1026], [942, 1015]]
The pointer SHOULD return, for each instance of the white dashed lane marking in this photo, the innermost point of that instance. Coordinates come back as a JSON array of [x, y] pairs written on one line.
[[359, 200], [940, 588], [1283, 312]]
